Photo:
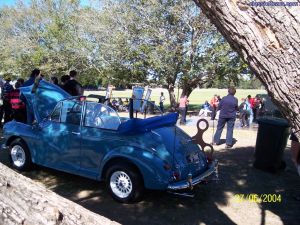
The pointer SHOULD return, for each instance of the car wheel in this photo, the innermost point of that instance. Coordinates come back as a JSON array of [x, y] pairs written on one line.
[[124, 183], [19, 155]]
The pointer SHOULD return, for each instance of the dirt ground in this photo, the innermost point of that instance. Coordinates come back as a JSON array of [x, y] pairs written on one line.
[[214, 203]]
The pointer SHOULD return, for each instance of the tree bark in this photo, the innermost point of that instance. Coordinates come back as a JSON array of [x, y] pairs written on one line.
[[173, 102], [268, 39], [26, 202], [187, 91], [188, 85]]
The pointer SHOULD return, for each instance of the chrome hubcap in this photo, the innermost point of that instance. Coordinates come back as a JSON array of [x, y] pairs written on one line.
[[18, 156], [121, 184]]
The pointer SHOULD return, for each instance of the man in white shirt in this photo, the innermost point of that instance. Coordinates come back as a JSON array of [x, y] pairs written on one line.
[[161, 102]]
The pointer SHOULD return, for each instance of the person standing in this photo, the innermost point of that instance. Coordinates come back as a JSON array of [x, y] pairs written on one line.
[[251, 103], [228, 108], [63, 80], [243, 113], [295, 151], [183, 102], [17, 105], [33, 75], [205, 109], [1, 101], [161, 102], [54, 80], [248, 110], [73, 87], [6, 96], [218, 110], [214, 105], [258, 107]]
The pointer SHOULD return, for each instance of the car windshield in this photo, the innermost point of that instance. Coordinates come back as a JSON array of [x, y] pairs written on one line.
[[142, 108], [98, 115]]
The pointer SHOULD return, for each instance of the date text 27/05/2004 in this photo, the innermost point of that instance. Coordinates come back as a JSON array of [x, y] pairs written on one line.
[[258, 198]]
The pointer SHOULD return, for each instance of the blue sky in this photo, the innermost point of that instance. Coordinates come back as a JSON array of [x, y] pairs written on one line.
[[12, 2], [7, 2]]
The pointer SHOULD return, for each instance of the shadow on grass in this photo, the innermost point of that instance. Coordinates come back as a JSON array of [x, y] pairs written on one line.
[[237, 176]]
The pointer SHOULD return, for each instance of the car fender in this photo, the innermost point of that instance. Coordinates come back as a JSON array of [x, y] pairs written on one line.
[[24, 132], [149, 165]]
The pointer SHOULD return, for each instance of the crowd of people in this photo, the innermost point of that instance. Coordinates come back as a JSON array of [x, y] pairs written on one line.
[[248, 110], [12, 105], [118, 104], [226, 109]]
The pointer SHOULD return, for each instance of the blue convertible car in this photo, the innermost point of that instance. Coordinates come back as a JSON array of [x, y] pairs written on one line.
[[89, 139]]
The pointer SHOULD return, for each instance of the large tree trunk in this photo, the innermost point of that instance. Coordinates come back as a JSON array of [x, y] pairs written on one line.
[[173, 102], [187, 90], [268, 39], [24, 201]]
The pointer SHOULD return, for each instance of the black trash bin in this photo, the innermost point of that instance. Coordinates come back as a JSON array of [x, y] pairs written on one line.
[[271, 141]]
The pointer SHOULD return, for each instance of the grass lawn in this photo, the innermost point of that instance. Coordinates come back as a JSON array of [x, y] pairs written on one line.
[[197, 97]]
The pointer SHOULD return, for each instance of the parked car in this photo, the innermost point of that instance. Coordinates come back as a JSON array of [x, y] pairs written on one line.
[[89, 139]]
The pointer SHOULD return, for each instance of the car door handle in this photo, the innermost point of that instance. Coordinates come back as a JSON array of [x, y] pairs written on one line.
[[75, 133]]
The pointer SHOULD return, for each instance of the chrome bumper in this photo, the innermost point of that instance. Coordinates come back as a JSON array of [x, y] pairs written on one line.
[[212, 168]]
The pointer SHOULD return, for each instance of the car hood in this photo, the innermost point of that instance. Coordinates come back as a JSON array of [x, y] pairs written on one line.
[[44, 99]]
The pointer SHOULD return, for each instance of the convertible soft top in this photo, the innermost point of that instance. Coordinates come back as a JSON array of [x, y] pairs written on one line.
[[136, 125]]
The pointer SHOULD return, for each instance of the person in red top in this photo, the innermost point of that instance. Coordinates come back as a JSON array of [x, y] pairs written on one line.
[[214, 102], [252, 105], [17, 105], [183, 103]]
